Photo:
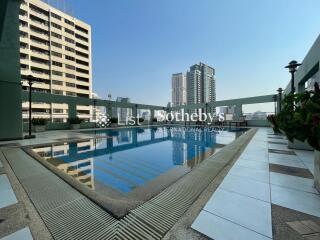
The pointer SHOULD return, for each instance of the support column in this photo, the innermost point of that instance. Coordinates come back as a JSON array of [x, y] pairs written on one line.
[[279, 99], [10, 80], [72, 110], [135, 113], [151, 116], [238, 111]]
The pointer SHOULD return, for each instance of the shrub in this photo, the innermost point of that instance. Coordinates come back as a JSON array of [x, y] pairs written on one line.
[[39, 121], [300, 117], [273, 120], [113, 120], [74, 120]]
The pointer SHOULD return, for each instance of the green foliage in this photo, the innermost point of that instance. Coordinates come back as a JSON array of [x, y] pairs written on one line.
[[273, 120], [141, 120], [39, 121], [74, 120], [300, 117]]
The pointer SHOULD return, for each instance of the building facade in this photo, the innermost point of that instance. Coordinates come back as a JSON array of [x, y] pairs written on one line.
[[179, 89], [201, 86], [55, 48]]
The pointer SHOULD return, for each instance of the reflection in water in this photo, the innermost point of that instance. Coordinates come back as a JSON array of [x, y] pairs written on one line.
[[125, 159]]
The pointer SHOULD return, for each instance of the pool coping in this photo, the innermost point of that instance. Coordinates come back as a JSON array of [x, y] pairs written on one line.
[[120, 204], [154, 218]]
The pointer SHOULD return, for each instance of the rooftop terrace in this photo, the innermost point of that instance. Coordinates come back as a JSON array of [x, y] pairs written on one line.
[[253, 185]]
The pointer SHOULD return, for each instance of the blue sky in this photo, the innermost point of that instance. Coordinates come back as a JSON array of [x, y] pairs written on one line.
[[138, 44]]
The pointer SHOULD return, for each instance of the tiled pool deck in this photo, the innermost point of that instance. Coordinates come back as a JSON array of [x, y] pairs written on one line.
[[267, 194], [241, 207]]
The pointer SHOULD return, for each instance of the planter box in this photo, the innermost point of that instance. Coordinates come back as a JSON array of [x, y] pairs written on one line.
[[296, 144], [75, 126], [317, 170], [39, 128]]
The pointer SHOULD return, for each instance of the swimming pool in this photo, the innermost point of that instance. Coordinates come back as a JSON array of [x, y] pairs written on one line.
[[135, 163]]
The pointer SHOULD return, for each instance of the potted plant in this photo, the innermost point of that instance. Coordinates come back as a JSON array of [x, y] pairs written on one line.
[[39, 124], [141, 120], [274, 124], [300, 119], [154, 120], [74, 123], [114, 122], [292, 118]]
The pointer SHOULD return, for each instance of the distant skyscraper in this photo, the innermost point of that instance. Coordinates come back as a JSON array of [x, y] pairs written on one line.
[[201, 86], [179, 89], [122, 113]]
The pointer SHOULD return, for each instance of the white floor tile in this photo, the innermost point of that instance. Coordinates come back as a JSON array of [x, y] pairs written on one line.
[[22, 234], [297, 200], [245, 211], [284, 157], [250, 173], [247, 187], [298, 183], [220, 229], [7, 195], [252, 164]]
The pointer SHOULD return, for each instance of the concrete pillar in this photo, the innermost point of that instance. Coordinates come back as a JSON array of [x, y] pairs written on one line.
[[72, 110], [238, 111], [135, 113], [10, 80], [151, 116], [279, 99]]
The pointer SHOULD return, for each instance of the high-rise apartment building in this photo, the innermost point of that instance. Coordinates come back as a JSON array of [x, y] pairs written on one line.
[[201, 87], [55, 48], [179, 89]]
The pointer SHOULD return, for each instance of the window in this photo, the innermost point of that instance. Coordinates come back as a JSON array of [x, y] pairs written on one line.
[[23, 34], [70, 76], [69, 40], [22, 12], [24, 56], [56, 35], [69, 58], [82, 62], [56, 25], [57, 110], [56, 54], [69, 22], [82, 54], [56, 82], [57, 73], [69, 31], [58, 45], [82, 87], [70, 84], [82, 37], [82, 79], [58, 92], [70, 67], [58, 64], [71, 94], [23, 45], [82, 46], [83, 95], [82, 70], [69, 49], [81, 29], [56, 16]]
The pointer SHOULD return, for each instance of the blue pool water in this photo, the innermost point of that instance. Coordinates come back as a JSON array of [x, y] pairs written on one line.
[[126, 159]]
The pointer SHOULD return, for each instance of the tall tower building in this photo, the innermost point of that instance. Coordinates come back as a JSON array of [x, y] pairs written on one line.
[[179, 89], [55, 48], [201, 87]]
